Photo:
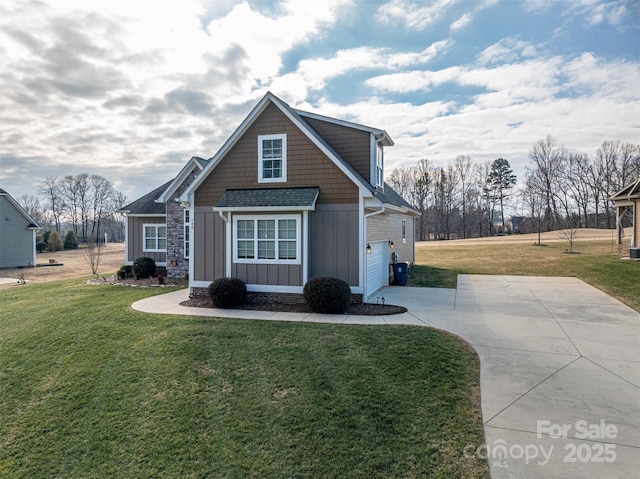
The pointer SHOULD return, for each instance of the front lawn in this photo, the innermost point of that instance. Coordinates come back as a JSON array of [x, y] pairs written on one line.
[[90, 388]]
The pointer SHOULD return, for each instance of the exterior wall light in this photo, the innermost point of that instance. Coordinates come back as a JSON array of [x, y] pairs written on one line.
[[368, 248], [391, 244]]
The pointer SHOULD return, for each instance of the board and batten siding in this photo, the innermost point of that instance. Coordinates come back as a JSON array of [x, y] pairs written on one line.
[[306, 165], [334, 242], [208, 245], [389, 227], [17, 243], [135, 247]]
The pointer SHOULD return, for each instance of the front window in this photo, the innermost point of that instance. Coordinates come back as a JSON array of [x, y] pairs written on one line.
[[272, 158], [155, 237], [267, 239]]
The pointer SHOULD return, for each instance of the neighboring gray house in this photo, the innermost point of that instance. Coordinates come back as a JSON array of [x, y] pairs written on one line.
[[157, 224], [17, 234]]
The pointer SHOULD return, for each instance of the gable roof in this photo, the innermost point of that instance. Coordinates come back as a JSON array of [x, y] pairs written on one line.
[[147, 205], [629, 192], [365, 187], [381, 135], [21, 210], [194, 162]]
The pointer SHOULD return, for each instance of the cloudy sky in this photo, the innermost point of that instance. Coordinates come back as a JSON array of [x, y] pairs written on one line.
[[130, 90]]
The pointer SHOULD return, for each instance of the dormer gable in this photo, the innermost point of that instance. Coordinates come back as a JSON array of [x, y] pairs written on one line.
[[361, 146]]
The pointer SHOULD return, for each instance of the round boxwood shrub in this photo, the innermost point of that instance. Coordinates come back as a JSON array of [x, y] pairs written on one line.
[[327, 295], [144, 267], [228, 292]]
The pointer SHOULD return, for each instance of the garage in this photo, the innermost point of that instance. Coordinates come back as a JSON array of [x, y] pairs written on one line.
[[377, 267]]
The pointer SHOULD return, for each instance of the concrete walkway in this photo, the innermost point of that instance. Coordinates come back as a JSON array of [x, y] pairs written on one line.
[[560, 367]]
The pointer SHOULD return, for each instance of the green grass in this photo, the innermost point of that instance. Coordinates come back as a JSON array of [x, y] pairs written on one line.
[[90, 388], [439, 264]]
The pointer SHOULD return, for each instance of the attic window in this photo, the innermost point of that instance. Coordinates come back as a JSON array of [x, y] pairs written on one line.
[[272, 158]]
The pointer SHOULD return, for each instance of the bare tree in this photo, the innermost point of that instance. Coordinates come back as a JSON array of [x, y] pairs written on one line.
[[548, 159], [463, 167], [31, 204], [93, 253], [49, 190]]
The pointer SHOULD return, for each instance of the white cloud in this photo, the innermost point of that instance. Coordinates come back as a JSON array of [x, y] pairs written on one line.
[[414, 15]]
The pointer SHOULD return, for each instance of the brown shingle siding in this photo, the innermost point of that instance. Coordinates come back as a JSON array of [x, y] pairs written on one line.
[[353, 145], [306, 165]]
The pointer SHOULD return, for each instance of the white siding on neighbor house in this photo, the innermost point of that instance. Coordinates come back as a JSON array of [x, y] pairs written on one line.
[[17, 243], [389, 227]]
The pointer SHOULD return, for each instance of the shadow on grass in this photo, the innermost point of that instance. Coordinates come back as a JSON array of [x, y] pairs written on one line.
[[430, 277]]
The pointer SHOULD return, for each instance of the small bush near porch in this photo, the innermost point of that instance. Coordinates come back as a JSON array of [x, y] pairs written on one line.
[[90, 388]]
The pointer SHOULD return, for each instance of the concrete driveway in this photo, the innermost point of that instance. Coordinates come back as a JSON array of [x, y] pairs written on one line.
[[560, 368]]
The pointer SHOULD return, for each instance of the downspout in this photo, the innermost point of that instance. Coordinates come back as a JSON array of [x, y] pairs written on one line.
[[228, 243]]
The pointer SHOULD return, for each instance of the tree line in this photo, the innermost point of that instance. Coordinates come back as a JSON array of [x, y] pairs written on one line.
[[560, 189], [85, 204]]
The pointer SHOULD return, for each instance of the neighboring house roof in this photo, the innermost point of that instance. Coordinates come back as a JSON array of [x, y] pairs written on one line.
[[272, 199], [628, 193], [147, 205], [32, 223]]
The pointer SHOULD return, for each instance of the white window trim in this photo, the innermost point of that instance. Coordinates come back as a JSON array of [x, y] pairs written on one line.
[[187, 234], [283, 178], [144, 237], [379, 167], [255, 218]]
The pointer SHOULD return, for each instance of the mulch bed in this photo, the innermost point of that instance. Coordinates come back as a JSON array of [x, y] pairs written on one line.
[[366, 309]]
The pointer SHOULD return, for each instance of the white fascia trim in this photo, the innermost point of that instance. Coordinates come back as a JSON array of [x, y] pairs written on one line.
[[248, 121], [231, 141], [178, 180], [160, 215], [362, 231], [381, 135], [161, 263], [199, 284], [20, 209]]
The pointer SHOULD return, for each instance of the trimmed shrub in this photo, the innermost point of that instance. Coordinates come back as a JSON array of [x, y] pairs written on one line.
[[327, 295], [70, 240], [144, 267], [41, 246], [228, 292]]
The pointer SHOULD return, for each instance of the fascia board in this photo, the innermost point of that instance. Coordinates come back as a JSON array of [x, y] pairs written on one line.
[[178, 180], [231, 141]]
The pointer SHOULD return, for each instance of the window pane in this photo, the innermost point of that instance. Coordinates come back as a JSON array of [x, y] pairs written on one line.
[[245, 249], [162, 231], [150, 243], [245, 229], [266, 229], [266, 250], [287, 229], [287, 250], [162, 243], [150, 231]]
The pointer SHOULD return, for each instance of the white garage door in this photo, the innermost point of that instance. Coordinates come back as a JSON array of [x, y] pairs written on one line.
[[377, 267]]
